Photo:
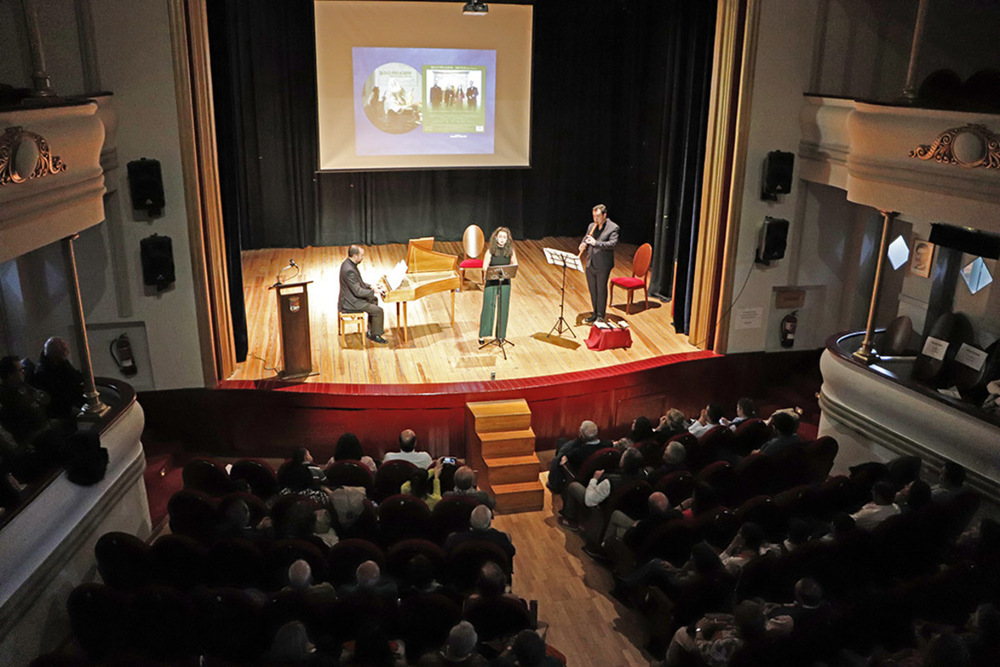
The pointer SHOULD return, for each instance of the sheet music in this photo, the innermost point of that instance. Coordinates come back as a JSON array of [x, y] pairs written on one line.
[[396, 275], [559, 258]]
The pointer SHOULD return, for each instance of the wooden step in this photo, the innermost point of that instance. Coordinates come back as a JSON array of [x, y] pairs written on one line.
[[507, 443], [493, 416], [512, 469], [521, 497]]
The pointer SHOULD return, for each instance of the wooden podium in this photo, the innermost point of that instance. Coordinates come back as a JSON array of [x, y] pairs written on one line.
[[293, 327]]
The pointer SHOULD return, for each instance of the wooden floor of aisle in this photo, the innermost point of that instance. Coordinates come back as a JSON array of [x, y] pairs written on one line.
[[586, 624], [435, 351]]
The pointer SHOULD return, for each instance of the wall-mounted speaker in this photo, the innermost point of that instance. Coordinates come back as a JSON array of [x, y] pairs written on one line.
[[777, 178], [145, 182], [157, 254], [773, 240]]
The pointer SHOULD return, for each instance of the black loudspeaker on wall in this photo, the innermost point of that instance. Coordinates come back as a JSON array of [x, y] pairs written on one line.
[[777, 178], [157, 254], [145, 181], [773, 238]]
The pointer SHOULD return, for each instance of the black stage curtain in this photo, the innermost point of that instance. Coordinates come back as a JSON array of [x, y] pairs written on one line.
[[617, 89], [685, 122]]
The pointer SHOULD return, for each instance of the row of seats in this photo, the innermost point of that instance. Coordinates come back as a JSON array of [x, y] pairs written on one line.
[[398, 517], [126, 563]]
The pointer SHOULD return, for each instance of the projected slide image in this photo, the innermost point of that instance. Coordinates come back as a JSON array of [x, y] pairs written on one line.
[[392, 98], [424, 101], [453, 93]]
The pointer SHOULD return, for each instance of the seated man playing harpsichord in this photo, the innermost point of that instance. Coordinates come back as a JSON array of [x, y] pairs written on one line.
[[357, 296]]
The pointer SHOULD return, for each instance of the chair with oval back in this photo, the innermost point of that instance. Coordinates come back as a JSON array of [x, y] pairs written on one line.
[[639, 279], [473, 242]]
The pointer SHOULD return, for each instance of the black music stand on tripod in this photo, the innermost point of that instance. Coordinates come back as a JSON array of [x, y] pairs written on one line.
[[503, 272], [563, 259]]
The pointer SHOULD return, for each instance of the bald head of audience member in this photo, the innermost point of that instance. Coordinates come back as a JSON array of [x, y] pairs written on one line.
[[300, 575], [658, 503], [367, 573], [407, 440]]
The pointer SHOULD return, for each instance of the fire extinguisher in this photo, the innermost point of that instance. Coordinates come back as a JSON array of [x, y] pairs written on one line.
[[788, 324], [121, 352]]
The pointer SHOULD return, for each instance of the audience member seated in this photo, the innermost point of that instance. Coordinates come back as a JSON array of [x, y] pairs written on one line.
[[710, 417], [600, 487], [809, 611], [373, 648], [236, 522], [746, 409], [481, 530], [714, 639], [571, 455], [673, 461], [22, 407], [465, 485], [297, 479], [671, 424], [458, 651], [799, 532], [786, 426], [323, 527], [703, 499], [703, 568], [495, 615], [300, 579], [745, 547], [291, 645], [527, 650], [424, 484], [408, 451], [950, 482], [621, 524], [918, 495], [303, 457], [57, 377], [879, 509], [369, 580], [349, 449], [640, 435], [418, 577]]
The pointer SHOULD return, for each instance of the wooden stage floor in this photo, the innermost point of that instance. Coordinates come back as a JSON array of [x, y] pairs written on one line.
[[436, 351]]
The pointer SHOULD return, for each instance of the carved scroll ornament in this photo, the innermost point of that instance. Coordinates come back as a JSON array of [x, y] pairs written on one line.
[[967, 146], [25, 155]]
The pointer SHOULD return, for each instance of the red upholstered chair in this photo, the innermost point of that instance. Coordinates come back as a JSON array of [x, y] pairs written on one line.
[[472, 242], [346, 555], [349, 473], [259, 474], [207, 476], [123, 561], [639, 279], [389, 478]]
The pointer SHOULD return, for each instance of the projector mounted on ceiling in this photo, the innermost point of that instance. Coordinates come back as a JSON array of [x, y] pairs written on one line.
[[475, 8]]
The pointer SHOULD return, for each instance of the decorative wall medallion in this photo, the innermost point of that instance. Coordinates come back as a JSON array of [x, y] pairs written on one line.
[[968, 146], [25, 155]]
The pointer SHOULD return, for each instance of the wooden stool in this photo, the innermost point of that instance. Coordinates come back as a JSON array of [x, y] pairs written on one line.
[[353, 318]]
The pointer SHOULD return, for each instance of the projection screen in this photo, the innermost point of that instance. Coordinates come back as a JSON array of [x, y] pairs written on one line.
[[420, 85]]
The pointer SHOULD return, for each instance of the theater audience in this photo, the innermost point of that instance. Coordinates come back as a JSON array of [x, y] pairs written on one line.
[[236, 522], [744, 548], [950, 482], [408, 451], [494, 614], [571, 455], [296, 478], [671, 424], [300, 579], [56, 376], [640, 435], [369, 582], [799, 532], [372, 648], [918, 496], [703, 499], [303, 457], [424, 484], [745, 409], [673, 461], [418, 577], [879, 509], [786, 437], [527, 650], [621, 525], [809, 610], [22, 407], [714, 639], [349, 448], [291, 645], [481, 530], [600, 486], [465, 485], [710, 417], [458, 651]]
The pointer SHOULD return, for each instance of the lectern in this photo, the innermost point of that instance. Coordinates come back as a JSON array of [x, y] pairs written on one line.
[[293, 327]]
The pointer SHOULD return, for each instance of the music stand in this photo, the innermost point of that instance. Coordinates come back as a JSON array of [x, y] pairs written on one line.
[[563, 259], [503, 272]]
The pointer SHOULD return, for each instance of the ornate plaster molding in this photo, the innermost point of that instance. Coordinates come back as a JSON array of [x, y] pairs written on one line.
[[25, 155], [968, 146]]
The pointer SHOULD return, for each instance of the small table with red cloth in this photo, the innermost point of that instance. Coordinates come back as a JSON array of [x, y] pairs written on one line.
[[610, 338]]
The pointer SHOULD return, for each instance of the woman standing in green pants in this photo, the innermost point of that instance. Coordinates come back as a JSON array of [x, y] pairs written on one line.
[[500, 253]]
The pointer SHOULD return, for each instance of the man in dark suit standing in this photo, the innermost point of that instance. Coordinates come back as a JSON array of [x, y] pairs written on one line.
[[602, 237], [357, 296]]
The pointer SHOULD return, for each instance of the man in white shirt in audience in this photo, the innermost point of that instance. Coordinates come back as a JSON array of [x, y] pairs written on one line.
[[710, 418], [881, 508], [408, 451]]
